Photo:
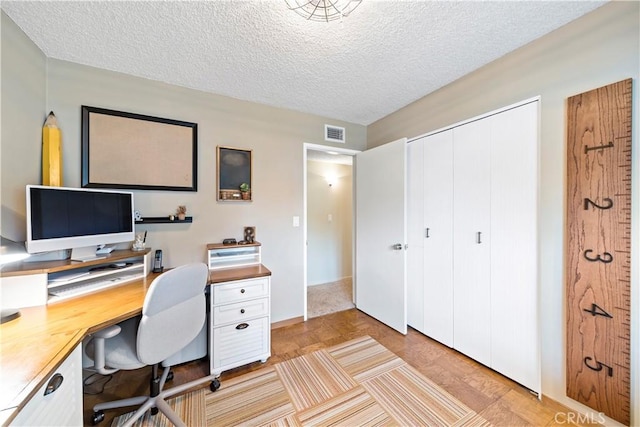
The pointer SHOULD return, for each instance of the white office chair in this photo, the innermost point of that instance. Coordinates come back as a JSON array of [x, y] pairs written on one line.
[[173, 313]]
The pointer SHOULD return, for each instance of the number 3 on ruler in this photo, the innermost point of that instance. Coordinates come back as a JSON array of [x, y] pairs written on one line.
[[606, 257]]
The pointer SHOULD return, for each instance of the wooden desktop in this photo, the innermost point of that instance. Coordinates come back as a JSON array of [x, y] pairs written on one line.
[[35, 344]]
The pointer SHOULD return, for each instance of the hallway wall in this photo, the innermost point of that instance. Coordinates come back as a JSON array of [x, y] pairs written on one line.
[[329, 248]]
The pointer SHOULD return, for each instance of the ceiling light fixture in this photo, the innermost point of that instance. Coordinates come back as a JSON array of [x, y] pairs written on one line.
[[323, 10]]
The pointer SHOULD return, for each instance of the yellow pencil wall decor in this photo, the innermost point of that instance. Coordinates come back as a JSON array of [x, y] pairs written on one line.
[[51, 152]]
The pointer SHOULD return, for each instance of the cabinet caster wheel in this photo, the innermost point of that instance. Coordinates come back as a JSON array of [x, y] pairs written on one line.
[[215, 385], [97, 417], [170, 376]]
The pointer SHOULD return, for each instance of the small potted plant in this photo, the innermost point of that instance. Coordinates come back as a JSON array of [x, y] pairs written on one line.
[[244, 191], [181, 212]]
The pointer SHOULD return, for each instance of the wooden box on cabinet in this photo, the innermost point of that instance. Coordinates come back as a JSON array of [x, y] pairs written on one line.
[[240, 329], [236, 255]]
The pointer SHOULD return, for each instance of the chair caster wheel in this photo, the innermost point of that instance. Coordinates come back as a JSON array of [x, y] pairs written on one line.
[[97, 417], [215, 385], [170, 376]]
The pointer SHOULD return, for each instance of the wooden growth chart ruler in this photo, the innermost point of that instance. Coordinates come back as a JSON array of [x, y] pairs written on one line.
[[598, 249]]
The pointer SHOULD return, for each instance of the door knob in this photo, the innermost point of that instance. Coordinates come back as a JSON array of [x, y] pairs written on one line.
[[397, 247]]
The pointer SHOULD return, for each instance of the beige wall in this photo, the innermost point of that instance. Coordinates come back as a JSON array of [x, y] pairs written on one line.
[[275, 135], [329, 248], [602, 47], [23, 113]]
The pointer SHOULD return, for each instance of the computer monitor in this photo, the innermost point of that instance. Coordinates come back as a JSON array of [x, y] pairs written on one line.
[[79, 219]]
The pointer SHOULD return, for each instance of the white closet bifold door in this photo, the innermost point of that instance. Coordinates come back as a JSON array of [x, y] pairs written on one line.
[[514, 317], [415, 235], [438, 243], [472, 240]]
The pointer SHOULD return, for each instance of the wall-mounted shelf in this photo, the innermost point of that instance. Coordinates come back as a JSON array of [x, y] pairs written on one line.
[[164, 220]]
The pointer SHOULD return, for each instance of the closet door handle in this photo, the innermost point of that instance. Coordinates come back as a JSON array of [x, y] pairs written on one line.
[[479, 240], [426, 233]]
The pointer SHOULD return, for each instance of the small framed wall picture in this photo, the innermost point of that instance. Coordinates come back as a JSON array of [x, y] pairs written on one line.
[[234, 174]]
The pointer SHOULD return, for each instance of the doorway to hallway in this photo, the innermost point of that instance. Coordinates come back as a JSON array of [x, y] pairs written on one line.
[[329, 230]]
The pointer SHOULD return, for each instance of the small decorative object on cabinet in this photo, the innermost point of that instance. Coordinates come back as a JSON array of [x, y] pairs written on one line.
[[233, 255], [249, 234]]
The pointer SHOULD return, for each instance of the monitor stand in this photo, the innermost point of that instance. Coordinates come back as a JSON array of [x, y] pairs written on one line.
[[85, 253]]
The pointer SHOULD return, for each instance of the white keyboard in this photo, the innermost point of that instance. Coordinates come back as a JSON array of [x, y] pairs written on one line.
[[75, 289]]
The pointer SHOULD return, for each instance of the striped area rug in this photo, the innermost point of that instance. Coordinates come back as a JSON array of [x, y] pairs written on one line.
[[357, 383]]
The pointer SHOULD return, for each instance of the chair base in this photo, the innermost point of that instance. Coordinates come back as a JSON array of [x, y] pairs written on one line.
[[157, 402], [156, 384]]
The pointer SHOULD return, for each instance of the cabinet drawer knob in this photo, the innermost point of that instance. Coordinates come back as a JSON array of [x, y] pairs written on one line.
[[54, 383], [242, 291], [242, 326], [242, 310]]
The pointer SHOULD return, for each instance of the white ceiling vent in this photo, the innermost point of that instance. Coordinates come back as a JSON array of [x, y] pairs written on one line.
[[334, 134]]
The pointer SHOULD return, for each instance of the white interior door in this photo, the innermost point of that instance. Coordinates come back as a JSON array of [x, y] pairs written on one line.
[[381, 278]]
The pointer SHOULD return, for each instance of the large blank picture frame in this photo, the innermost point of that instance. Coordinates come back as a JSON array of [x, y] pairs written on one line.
[[127, 150]]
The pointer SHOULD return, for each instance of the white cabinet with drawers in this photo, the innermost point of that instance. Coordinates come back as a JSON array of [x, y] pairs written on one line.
[[63, 389], [240, 328]]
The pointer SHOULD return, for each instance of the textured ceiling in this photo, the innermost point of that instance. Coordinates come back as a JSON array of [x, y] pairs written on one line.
[[382, 57]]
